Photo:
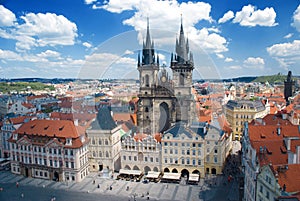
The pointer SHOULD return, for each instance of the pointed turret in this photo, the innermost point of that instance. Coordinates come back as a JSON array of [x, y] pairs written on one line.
[[148, 48], [181, 46]]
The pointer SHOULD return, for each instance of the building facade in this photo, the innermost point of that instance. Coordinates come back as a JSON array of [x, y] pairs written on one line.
[[105, 142], [50, 149], [141, 152], [196, 149], [239, 111]]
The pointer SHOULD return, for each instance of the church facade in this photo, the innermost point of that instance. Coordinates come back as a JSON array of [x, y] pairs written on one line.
[[163, 100]]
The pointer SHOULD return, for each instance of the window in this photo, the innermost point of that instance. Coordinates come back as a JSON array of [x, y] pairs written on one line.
[[182, 144], [215, 159], [72, 164], [124, 158], [188, 161], [194, 152], [194, 162], [171, 151], [71, 152], [166, 144], [199, 145], [261, 189], [166, 160], [146, 159], [171, 160], [176, 151], [182, 152], [106, 142], [182, 161], [199, 152], [100, 141], [134, 158], [194, 145], [176, 144], [129, 158], [207, 158], [199, 162], [151, 159], [267, 195], [157, 160], [216, 151], [166, 151], [188, 152]]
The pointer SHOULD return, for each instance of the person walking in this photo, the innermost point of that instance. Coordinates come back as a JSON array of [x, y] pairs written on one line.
[[17, 184]]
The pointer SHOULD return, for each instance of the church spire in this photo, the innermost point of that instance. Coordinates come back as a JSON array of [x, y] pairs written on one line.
[[148, 48], [181, 46], [148, 39]]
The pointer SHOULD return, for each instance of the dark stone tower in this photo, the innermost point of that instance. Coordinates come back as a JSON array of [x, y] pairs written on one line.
[[288, 87], [162, 101], [182, 66]]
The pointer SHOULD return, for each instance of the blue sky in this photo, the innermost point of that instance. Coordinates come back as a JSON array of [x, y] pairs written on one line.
[[101, 39]]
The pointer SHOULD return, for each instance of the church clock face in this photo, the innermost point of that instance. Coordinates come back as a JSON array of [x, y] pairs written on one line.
[[163, 79]]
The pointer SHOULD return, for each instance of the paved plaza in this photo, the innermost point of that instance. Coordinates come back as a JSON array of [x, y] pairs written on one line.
[[212, 189]]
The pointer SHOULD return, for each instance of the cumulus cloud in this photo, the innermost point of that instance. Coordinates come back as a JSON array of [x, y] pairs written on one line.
[[49, 53], [7, 18], [285, 49], [254, 62], [10, 55], [128, 52], [89, 1], [286, 53], [296, 19], [228, 59], [161, 13], [288, 35], [226, 17], [37, 30], [220, 56], [250, 16], [87, 45]]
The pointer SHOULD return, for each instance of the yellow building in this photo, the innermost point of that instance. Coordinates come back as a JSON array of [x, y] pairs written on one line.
[[239, 111]]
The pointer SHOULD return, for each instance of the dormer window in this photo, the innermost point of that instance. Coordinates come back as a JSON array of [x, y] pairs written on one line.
[[69, 141], [15, 136], [82, 138]]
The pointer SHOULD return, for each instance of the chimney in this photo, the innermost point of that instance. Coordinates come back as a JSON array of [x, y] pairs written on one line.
[[76, 122], [278, 131]]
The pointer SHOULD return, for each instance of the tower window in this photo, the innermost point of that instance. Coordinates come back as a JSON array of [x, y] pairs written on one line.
[[147, 80], [181, 79]]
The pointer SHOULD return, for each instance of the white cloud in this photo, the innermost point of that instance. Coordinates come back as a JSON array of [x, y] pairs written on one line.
[[87, 45], [286, 54], [228, 59], [235, 67], [128, 52], [296, 19], [220, 56], [226, 17], [10, 55], [253, 62], [89, 1], [162, 13], [7, 18], [288, 35], [250, 16], [37, 30], [49, 53], [58, 30], [285, 49]]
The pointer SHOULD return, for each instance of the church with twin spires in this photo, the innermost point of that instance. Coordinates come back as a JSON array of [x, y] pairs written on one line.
[[163, 99]]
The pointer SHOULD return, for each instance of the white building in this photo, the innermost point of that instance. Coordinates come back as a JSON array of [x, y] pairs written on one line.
[[50, 149], [105, 144]]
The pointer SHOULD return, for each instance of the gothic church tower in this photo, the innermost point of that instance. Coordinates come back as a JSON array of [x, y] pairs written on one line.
[[182, 66]]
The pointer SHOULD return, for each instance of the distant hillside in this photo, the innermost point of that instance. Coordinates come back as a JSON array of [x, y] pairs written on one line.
[[6, 87], [271, 78]]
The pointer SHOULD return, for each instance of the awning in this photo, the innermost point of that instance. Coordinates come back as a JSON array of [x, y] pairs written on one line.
[[130, 172], [171, 176], [153, 175], [194, 177]]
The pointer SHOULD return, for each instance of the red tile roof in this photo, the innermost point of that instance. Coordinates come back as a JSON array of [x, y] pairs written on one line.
[[290, 177], [50, 128]]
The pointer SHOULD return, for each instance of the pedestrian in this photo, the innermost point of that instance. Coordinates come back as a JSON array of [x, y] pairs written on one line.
[[22, 195], [17, 184], [94, 181], [98, 185]]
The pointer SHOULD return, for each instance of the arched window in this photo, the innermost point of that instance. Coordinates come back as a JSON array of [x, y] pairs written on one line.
[[94, 154], [100, 141], [100, 154], [93, 141], [106, 154], [147, 80], [181, 79], [146, 109], [106, 142]]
